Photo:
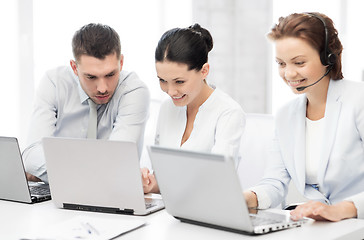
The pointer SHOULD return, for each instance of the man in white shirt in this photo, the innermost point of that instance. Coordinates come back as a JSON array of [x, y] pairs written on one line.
[[63, 100]]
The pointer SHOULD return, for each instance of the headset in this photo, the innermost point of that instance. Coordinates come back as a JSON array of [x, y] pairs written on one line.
[[326, 56]]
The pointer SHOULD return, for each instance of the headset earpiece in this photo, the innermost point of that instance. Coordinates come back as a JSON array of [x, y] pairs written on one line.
[[326, 56], [331, 58]]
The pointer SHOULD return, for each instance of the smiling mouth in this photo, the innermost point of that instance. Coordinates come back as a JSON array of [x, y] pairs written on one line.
[[179, 98], [295, 83]]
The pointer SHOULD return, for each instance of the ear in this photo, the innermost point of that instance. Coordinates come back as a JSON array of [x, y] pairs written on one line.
[[74, 67], [121, 61], [205, 70]]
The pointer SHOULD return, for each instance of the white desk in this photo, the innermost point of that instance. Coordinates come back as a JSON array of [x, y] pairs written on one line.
[[16, 219]]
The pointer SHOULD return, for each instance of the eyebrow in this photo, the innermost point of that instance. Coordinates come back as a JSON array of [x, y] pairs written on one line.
[[112, 72], [91, 75], [291, 58], [297, 57], [175, 79]]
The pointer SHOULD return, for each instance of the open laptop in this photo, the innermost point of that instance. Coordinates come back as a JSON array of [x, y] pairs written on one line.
[[96, 175], [204, 189], [13, 182]]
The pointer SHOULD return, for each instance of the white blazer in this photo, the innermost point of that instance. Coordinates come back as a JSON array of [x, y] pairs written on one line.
[[341, 171]]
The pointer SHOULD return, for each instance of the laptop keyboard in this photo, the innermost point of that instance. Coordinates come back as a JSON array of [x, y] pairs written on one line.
[[34, 190], [258, 221], [149, 203]]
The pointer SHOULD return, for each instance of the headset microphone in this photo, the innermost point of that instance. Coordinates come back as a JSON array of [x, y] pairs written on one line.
[[303, 88]]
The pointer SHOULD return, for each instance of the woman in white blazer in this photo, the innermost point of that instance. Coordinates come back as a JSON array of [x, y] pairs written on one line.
[[319, 135], [196, 116]]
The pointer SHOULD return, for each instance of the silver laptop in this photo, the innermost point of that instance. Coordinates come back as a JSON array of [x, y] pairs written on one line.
[[204, 189], [13, 182], [96, 175]]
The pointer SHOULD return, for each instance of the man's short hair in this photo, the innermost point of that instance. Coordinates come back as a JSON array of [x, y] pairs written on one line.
[[96, 40]]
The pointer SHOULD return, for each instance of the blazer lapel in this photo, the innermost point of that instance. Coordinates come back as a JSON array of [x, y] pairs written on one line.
[[332, 113], [300, 143]]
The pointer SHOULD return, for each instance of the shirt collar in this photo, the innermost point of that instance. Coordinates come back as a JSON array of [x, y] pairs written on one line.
[[209, 99], [83, 95]]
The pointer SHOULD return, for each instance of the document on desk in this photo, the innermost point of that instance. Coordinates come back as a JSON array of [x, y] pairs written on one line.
[[82, 227]]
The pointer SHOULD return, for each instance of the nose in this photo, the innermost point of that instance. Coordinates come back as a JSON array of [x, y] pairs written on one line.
[[289, 73], [102, 86], [172, 91], [169, 89]]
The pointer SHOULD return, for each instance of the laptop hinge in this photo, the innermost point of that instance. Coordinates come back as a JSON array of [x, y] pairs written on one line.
[[97, 209]]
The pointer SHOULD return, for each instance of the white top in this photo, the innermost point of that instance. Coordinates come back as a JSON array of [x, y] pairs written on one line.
[[218, 126], [61, 110], [314, 138]]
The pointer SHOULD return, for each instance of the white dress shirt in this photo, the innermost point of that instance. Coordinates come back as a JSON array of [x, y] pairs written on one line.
[[61, 110], [218, 126]]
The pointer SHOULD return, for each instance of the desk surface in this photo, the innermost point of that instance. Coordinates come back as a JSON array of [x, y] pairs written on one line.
[[16, 219]]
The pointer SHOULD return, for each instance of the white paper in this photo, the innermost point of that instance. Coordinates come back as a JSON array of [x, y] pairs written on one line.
[[82, 227]]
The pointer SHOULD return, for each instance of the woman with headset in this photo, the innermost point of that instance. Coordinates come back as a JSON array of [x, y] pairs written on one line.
[[196, 116], [319, 135]]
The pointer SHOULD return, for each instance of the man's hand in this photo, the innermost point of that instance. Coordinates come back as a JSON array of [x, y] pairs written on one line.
[[32, 178], [320, 211], [149, 183]]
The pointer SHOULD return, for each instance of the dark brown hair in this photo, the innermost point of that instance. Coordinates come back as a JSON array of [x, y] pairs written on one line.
[[311, 29], [96, 40], [185, 45]]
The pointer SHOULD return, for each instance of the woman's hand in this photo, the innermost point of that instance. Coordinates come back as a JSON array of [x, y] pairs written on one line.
[[32, 178], [149, 183], [251, 199], [320, 211]]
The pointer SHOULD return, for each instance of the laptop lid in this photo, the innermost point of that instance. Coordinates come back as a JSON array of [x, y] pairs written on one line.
[[203, 188], [195, 186], [13, 182], [95, 175]]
